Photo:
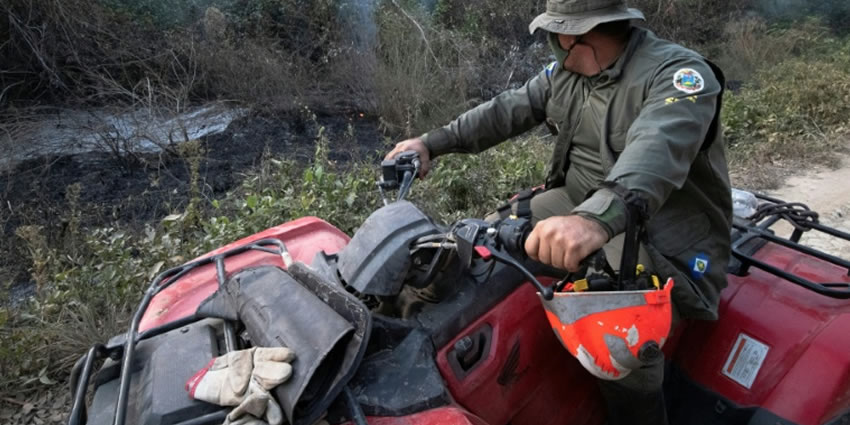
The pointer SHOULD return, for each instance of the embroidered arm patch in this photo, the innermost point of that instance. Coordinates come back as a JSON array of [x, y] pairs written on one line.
[[689, 81]]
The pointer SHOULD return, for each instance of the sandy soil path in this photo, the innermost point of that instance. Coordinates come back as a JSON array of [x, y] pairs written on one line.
[[826, 191]]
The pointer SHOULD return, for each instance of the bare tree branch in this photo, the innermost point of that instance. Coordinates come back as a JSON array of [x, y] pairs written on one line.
[[421, 32]]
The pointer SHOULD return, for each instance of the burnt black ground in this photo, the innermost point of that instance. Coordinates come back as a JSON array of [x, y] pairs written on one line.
[[34, 192]]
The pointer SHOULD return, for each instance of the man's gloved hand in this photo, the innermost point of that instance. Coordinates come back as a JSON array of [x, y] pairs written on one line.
[[243, 379]]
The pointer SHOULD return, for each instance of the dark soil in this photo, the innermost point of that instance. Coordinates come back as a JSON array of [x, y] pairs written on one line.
[[152, 186]]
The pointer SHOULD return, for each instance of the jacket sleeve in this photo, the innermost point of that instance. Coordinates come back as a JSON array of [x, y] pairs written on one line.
[[506, 115], [663, 141]]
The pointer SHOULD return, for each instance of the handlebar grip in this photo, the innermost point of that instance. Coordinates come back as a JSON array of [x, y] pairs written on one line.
[[512, 234]]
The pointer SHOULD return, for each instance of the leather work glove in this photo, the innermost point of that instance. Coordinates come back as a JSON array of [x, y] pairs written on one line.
[[258, 403], [243, 379]]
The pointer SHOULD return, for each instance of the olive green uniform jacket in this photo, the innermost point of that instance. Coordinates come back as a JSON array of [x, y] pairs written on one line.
[[654, 118]]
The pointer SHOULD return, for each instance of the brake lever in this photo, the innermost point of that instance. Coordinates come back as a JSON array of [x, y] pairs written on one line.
[[407, 180], [546, 292]]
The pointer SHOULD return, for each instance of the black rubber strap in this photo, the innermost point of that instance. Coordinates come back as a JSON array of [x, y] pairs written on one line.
[[523, 203], [635, 203], [636, 216], [504, 210]]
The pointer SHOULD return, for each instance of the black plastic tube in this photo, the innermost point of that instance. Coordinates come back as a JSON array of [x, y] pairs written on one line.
[[78, 388], [210, 418]]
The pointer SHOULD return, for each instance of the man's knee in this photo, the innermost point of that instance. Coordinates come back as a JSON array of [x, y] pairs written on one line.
[[544, 204], [551, 203]]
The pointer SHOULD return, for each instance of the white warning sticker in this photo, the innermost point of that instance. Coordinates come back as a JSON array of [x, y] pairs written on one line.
[[745, 360]]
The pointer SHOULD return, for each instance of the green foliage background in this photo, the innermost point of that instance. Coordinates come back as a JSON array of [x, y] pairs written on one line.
[[792, 107]]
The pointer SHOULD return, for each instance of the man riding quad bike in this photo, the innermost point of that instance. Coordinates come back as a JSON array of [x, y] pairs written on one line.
[[414, 322], [637, 124], [487, 352]]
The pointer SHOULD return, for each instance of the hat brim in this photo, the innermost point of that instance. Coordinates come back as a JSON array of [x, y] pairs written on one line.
[[582, 23]]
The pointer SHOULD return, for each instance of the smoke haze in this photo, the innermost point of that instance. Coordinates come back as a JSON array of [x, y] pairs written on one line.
[[835, 13]]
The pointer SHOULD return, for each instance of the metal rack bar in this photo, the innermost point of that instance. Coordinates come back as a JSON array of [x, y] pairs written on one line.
[[133, 336]]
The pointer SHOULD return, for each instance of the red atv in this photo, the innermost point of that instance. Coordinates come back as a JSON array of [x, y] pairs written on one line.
[[480, 351]]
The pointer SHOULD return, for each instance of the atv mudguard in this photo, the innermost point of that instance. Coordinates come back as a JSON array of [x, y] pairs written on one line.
[[327, 327]]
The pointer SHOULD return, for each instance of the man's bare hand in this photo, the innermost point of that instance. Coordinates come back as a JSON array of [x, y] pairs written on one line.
[[417, 145], [562, 242]]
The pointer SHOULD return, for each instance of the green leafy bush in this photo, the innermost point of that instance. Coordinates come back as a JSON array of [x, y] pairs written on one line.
[[474, 185], [791, 112], [426, 66], [88, 297]]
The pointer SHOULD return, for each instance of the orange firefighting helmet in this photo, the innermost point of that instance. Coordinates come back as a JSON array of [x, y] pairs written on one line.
[[606, 331]]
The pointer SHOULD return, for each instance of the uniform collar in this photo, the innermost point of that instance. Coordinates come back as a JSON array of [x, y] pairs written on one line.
[[613, 73]]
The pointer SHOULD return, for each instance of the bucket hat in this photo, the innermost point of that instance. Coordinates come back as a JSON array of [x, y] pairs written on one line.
[[575, 17]]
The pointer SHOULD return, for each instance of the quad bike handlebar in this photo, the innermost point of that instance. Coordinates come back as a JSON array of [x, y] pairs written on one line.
[[503, 241], [398, 173]]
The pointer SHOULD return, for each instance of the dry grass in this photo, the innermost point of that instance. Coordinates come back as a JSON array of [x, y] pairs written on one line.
[[751, 44], [415, 90], [694, 23], [793, 114]]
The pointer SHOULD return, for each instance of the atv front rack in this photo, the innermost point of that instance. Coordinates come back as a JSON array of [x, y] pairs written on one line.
[[123, 349], [756, 234]]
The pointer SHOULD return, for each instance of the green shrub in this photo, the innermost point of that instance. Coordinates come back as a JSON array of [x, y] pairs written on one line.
[[463, 186], [789, 114]]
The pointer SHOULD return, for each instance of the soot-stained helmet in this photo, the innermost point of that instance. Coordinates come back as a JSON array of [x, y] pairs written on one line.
[[613, 332]]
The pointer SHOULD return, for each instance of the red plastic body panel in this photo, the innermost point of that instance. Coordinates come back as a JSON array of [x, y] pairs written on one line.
[[805, 376], [546, 386], [527, 377], [303, 237], [440, 416]]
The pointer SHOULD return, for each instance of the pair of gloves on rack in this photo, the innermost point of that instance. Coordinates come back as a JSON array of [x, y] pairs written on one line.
[[243, 379]]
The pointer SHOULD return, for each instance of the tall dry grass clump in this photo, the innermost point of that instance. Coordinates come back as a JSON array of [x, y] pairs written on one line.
[[752, 44], [107, 52], [422, 77], [793, 110], [694, 23]]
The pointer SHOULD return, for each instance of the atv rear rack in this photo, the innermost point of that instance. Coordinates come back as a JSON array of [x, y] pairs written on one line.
[[123, 349], [754, 235]]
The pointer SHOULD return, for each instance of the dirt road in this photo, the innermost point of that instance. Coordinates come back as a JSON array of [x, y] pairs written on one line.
[[826, 191]]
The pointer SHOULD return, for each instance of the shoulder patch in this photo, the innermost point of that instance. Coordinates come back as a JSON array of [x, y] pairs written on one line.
[[688, 80], [550, 68]]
